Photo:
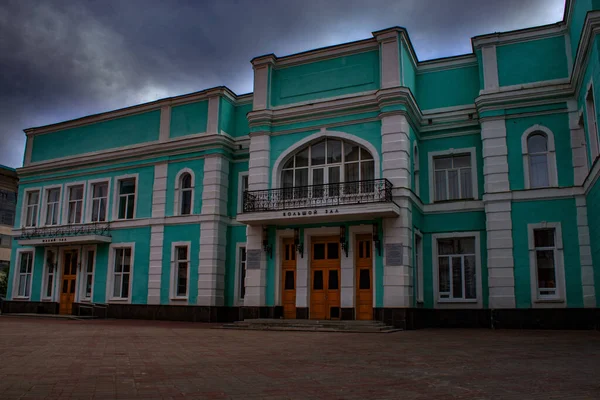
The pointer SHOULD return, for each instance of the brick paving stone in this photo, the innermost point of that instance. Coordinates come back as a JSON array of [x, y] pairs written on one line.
[[121, 359]]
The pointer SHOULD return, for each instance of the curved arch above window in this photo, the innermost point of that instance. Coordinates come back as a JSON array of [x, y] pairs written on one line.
[[184, 192], [539, 158]]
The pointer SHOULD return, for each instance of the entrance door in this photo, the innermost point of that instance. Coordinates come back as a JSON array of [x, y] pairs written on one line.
[[364, 277], [69, 277], [288, 279], [325, 278]]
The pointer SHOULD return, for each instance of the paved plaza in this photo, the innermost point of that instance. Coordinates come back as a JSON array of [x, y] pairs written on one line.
[[60, 359]]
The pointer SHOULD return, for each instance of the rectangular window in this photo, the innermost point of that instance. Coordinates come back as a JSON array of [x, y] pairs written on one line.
[[242, 274], [126, 198], [590, 110], [50, 272], [244, 185], [25, 273], [32, 200], [121, 273], [52, 206], [99, 201], [452, 177], [456, 269], [74, 204], [88, 275], [5, 241], [545, 262], [181, 268]]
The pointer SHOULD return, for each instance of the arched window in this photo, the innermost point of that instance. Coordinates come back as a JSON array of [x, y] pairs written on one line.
[[539, 158], [325, 164], [184, 199], [416, 169]]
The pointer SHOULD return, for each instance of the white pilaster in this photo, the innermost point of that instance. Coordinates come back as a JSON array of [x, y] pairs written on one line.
[[397, 279], [490, 68], [262, 74], [213, 234], [28, 150], [259, 165], [212, 125], [256, 278], [390, 58], [578, 144], [165, 123], [159, 190], [155, 266], [585, 254], [395, 153]]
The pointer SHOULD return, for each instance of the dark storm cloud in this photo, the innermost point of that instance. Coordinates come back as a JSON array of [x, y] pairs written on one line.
[[64, 59]]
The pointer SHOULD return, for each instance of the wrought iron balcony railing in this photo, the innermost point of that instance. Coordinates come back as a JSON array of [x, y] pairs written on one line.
[[332, 194], [99, 228]]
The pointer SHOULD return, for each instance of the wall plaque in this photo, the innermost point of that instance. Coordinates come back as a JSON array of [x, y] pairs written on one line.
[[393, 254], [253, 259]]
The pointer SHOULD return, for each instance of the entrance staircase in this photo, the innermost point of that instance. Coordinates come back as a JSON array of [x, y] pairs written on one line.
[[308, 325]]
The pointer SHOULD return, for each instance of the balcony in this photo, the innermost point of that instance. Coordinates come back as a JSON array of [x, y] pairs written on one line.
[[329, 202], [66, 234]]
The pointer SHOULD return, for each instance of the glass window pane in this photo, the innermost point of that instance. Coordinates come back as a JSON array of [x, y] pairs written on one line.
[[318, 176], [333, 251], [289, 280], [302, 158], [181, 252], [543, 237], [462, 161], [446, 246], [538, 171], [127, 186], [100, 189], [545, 269], [122, 206], [318, 153], [444, 274], [90, 261], [116, 286], [49, 285], [470, 278], [453, 188], [465, 246], [365, 155], [76, 193], [289, 164], [130, 204], [334, 151], [119, 260], [319, 251], [351, 152], [301, 177], [186, 202], [457, 283], [53, 195], [318, 279], [364, 279], [466, 186], [127, 260], [125, 291], [442, 162], [367, 171], [102, 216], [88, 286], [288, 179], [186, 181], [537, 143], [440, 185], [333, 282], [351, 172]]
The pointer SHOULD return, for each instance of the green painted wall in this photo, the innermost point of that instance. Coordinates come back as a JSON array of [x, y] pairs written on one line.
[[233, 195], [189, 119], [559, 125], [532, 212], [180, 233], [592, 73], [408, 69], [197, 166], [119, 132], [235, 235], [447, 87], [328, 78], [101, 272], [580, 9], [457, 142], [532, 61], [241, 122], [593, 210], [226, 116]]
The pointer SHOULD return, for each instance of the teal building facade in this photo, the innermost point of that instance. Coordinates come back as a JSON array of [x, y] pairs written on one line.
[[355, 182]]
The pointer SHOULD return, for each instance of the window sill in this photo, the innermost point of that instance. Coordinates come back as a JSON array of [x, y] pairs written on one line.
[[119, 300], [179, 298], [20, 298], [446, 301], [554, 300]]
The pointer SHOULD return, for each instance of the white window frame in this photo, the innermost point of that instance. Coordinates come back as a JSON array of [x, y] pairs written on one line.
[[592, 123], [560, 297], [178, 189], [174, 267], [453, 152], [240, 203], [84, 272], [416, 169], [67, 200], [46, 275], [17, 273], [89, 198], [110, 272], [44, 212], [456, 303], [419, 266], [116, 196], [24, 207], [551, 155], [238, 264]]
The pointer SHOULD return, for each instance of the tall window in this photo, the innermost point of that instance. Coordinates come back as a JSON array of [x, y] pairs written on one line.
[[52, 206], [75, 204], [590, 110], [456, 268], [181, 266], [242, 274], [243, 185], [126, 198], [453, 177], [328, 161], [88, 274], [99, 201], [24, 274], [31, 209], [121, 273], [545, 262], [186, 191], [50, 272], [416, 170], [537, 149]]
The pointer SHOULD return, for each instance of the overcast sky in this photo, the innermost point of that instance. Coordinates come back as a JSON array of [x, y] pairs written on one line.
[[64, 59]]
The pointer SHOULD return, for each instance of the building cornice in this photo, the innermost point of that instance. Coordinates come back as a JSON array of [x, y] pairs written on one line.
[[518, 36]]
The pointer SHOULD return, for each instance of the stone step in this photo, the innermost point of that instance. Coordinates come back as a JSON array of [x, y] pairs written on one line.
[[311, 326]]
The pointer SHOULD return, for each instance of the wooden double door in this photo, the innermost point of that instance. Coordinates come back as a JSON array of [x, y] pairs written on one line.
[[288, 279], [364, 277], [325, 278], [68, 282]]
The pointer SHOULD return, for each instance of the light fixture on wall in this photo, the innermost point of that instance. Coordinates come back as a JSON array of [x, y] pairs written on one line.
[[267, 247], [376, 239], [343, 240], [299, 246]]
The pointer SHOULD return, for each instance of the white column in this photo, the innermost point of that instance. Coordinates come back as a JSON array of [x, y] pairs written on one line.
[[578, 144], [213, 234], [585, 254], [397, 279], [262, 70], [490, 68], [159, 196], [500, 262], [395, 150], [165, 123]]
